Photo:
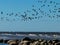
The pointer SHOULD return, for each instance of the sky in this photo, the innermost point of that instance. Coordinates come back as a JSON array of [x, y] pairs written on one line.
[[46, 16]]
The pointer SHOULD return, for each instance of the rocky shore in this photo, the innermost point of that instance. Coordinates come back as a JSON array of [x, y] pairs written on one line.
[[28, 41]]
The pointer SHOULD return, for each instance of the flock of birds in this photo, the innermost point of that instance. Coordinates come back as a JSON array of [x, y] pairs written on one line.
[[52, 11]]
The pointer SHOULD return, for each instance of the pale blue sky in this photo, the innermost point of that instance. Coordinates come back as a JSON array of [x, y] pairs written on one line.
[[44, 24]]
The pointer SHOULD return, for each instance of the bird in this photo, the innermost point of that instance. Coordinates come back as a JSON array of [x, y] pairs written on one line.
[[33, 6], [24, 17], [28, 11], [36, 12], [50, 11], [48, 5], [53, 16], [49, 16], [59, 11], [1, 12], [36, 17], [11, 14], [33, 14], [2, 18], [58, 15], [16, 14], [45, 1], [55, 6], [29, 18], [39, 1], [7, 14], [51, 2]]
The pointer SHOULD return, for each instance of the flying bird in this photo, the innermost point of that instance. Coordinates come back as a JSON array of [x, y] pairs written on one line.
[[1, 12]]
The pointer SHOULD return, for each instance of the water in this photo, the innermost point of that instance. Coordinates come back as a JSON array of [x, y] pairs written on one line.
[[47, 37], [3, 44]]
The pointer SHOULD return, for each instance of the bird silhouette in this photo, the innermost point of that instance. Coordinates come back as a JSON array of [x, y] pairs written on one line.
[[45, 1], [48, 5], [30, 18], [50, 11], [28, 11], [59, 10], [33, 14], [16, 14], [51, 2], [36, 12], [39, 1], [1, 12], [33, 6], [36, 17], [2, 18], [24, 17], [10, 14], [58, 15], [55, 6], [7, 14]]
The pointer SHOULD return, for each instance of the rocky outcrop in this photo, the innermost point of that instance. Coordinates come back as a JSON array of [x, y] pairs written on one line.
[[12, 42], [28, 41]]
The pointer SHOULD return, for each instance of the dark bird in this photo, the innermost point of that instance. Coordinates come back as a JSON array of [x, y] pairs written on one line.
[[45, 1], [54, 2], [16, 14], [48, 5], [57, 3], [59, 10], [34, 10], [36, 17], [37, 13], [30, 18], [11, 14], [54, 11], [58, 16], [33, 6], [42, 12], [7, 14], [24, 17], [50, 11], [25, 13], [28, 11], [2, 18], [53, 16], [41, 16], [51, 2], [49, 16], [1, 12], [43, 5], [33, 14], [55, 6], [39, 1]]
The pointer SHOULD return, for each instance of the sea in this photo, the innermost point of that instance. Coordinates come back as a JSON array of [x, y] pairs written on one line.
[[3, 44], [47, 37]]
